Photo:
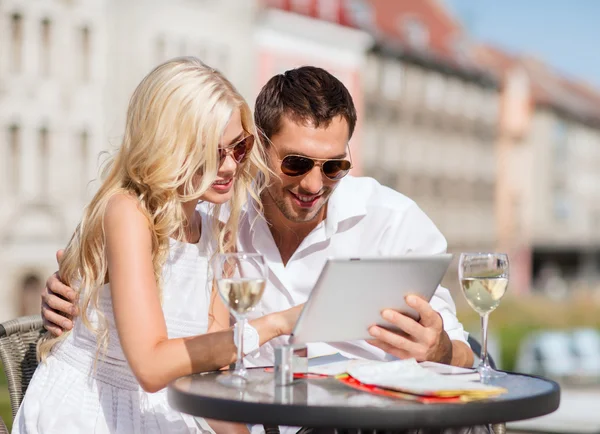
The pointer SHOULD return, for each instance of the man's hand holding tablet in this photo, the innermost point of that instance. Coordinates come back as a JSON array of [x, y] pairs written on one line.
[[423, 340]]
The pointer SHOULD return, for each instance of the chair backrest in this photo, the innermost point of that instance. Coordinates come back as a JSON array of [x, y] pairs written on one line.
[[476, 347], [18, 340]]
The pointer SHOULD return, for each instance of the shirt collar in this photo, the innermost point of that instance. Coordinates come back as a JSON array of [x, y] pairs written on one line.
[[343, 204]]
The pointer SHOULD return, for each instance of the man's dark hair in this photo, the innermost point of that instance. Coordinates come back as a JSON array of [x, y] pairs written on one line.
[[307, 95]]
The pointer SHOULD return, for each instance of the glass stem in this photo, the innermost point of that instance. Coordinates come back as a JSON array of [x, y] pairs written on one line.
[[484, 331], [239, 363]]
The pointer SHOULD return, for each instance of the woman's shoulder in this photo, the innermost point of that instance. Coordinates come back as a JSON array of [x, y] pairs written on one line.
[[123, 200], [124, 210]]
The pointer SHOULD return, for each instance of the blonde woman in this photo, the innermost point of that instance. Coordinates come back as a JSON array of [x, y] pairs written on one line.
[[139, 261]]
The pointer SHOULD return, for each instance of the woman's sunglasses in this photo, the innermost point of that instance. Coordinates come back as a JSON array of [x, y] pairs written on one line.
[[239, 151], [297, 165]]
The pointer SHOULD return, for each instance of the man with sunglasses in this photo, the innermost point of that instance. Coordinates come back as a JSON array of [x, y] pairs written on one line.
[[313, 211]]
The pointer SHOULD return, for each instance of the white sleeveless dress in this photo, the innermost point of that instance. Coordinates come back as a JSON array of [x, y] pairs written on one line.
[[65, 394]]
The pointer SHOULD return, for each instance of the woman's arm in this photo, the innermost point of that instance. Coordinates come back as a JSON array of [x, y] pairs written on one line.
[[218, 314], [154, 359]]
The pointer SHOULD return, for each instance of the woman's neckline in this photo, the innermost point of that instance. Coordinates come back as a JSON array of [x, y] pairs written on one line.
[[198, 215], [186, 243]]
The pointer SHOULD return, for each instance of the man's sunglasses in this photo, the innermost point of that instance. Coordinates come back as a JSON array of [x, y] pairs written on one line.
[[239, 151], [297, 165]]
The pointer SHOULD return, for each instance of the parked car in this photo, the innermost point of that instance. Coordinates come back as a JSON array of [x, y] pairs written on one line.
[[586, 347], [547, 353], [561, 354]]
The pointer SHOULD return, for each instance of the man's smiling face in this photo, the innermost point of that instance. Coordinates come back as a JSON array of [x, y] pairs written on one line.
[[301, 198]]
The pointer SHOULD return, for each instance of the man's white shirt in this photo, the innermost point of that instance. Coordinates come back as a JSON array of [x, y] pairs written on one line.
[[364, 218]]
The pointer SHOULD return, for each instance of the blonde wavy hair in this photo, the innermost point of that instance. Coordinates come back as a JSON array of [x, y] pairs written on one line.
[[175, 121]]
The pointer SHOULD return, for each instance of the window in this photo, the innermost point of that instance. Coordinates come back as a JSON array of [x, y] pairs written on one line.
[[45, 47], [434, 90], [16, 31], [85, 53], [562, 208], [406, 183], [454, 96], [371, 75], [472, 100], [595, 219], [560, 139], [14, 160], [492, 105], [484, 191], [278, 4], [460, 47], [183, 48], [422, 186], [223, 59], [415, 32], [161, 50], [388, 178], [391, 83], [328, 10], [84, 155], [437, 188], [560, 201], [371, 141], [301, 6], [44, 159], [362, 13], [31, 290]]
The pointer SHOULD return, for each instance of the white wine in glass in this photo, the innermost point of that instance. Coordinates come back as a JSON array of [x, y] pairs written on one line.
[[241, 279], [484, 294], [241, 295], [484, 280]]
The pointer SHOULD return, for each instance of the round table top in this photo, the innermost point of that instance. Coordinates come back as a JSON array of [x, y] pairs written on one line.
[[325, 402]]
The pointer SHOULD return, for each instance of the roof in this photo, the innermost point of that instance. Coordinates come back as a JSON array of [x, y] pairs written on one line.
[[445, 45], [348, 13], [394, 25], [549, 87]]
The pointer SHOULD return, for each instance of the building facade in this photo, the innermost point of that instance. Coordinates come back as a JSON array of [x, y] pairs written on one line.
[[52, 107], [67, 70], [431, 122], [549, 191], [144, 33]]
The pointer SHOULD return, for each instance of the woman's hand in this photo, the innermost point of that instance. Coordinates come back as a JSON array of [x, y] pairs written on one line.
[[285, 320]]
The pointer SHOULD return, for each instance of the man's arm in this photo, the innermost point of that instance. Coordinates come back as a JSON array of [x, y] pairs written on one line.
[[438, 336], [59, 303]]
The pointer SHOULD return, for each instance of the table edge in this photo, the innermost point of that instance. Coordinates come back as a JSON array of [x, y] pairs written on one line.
[[380, 417]]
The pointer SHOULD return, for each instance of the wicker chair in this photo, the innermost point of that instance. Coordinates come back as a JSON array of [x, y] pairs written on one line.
[[18, 339]]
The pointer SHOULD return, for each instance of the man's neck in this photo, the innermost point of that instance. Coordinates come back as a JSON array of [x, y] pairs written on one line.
[[288, 235]]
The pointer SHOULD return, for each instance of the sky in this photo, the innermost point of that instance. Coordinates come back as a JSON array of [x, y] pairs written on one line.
[[563, 33]]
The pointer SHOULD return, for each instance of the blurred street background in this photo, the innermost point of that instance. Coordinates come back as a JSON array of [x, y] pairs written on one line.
[[485, 112]]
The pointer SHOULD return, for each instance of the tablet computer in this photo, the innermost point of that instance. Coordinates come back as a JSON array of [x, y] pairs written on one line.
[[350, 295]]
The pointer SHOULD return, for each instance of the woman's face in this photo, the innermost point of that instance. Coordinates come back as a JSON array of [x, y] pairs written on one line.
[[222, 189]]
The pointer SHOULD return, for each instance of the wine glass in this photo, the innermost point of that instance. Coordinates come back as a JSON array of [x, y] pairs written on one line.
[[241, 279], [484, 279]]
